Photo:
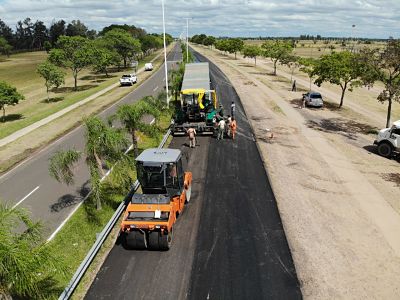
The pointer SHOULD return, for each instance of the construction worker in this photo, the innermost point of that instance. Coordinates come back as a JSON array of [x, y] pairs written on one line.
[[233, 127], [233, 109], [228, 123], [221, 129], [192, 137]]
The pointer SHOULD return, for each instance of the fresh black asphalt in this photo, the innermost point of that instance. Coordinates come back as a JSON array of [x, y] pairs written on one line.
[[228, 244]]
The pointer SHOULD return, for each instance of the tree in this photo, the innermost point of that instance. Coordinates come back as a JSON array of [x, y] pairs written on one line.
[[234, 45], [40, 35], [57, 29], [292, 62], [104, 59], [251, 51], [277, 51], [5, 47], [6, 32], [47, 46], [103, 144], [125, 45], [27, 266], [307, 66], [24, 34], [177, 79], [131, 118], [76, 28], [342, 68], [209, 41], [52, 75], [384, 66], [8, 96], [75, 53]]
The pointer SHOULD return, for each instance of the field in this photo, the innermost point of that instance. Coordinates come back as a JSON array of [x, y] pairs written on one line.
[[20, 71], [307, 48]]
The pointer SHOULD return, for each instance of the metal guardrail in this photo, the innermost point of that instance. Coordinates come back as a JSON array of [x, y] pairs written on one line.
[[66, 294]]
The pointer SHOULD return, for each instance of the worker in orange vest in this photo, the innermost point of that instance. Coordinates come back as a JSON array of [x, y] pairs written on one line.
[[233, 127]]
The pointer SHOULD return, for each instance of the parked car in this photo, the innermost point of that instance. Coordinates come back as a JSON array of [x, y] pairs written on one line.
[[148, 67], [313, 99], [388, 140], [129, 79]]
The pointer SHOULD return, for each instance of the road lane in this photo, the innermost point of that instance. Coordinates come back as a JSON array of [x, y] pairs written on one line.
[[229, 242], [53, 202]]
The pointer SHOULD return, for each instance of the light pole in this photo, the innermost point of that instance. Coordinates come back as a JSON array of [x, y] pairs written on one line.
[[187, 39], [165, 54], [352, 38]]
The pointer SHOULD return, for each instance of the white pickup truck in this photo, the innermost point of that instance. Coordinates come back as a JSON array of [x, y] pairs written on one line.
[[129, 79], [388, 140]]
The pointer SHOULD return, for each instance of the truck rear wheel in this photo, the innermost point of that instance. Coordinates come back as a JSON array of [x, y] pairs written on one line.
[[154, 243], [165, 241], [136, 240], [385, 150]]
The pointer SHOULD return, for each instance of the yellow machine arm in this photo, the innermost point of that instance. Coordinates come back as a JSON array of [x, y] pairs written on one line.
[[200, 94]]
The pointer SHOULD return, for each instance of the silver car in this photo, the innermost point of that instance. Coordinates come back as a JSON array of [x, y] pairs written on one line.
[[313, 99]]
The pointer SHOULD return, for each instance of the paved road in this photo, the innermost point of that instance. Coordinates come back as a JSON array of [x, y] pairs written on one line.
[[48, 200], [229, 242]]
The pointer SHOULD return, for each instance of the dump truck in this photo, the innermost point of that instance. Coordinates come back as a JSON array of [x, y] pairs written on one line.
[[198, 107], [388, 140], [149, 217]]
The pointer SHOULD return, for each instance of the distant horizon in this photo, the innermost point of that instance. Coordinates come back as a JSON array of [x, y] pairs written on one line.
[[234, 18]]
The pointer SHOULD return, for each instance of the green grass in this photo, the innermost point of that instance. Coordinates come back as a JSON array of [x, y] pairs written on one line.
[[20, 71]]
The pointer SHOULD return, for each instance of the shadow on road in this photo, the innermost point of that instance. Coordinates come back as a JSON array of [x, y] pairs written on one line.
[[64, 202]]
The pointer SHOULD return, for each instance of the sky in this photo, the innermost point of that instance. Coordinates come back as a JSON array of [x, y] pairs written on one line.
[[233, 18]]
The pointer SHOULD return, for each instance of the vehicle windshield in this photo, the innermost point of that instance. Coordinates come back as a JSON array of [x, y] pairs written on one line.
[[150, 177], [147, 216], [126, 76], [315, 96]]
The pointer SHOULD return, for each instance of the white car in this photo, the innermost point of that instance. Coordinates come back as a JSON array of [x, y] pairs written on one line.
[[313, 99], [388, 140], [129, 79], [148, 67]]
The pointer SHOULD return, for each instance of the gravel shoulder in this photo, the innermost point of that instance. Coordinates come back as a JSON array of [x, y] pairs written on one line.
[[338, 200]]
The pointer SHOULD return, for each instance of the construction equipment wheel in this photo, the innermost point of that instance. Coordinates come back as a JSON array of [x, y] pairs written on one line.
[[136, 240], [165, 241], [154, 240], [188, 193], [385, 150]]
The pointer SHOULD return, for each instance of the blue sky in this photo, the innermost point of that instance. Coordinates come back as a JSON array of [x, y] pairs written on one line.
[[373, 18]]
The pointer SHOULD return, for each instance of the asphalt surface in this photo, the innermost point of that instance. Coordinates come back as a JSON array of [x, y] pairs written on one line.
[[49, 201], [228, 244]]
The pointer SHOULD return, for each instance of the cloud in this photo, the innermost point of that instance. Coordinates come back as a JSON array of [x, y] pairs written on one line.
[[221, 17]]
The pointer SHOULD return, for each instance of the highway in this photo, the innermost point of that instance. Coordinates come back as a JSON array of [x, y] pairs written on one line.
[[29, 185], [228, 244]]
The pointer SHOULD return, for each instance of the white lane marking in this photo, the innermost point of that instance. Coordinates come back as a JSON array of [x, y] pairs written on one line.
[[155, 89], [23, 199]]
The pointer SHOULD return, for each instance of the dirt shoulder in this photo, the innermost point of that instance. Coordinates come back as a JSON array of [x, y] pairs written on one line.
[[338, 200]]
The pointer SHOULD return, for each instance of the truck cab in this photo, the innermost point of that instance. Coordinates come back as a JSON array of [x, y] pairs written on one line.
[[149, 217], [388, 140]]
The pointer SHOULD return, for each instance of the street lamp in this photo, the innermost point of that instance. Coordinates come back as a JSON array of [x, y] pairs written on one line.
[[187, 39], [353, 38], [165, 54]]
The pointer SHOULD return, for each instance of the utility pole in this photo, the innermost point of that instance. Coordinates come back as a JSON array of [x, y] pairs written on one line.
[[187, 39], [165, 54]]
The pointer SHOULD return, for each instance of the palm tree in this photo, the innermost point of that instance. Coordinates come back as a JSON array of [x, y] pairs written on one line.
[[27, 266], [132, 119], [103, 144]]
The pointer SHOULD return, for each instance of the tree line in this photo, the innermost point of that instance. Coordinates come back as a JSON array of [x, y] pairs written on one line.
[[346, 69]]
